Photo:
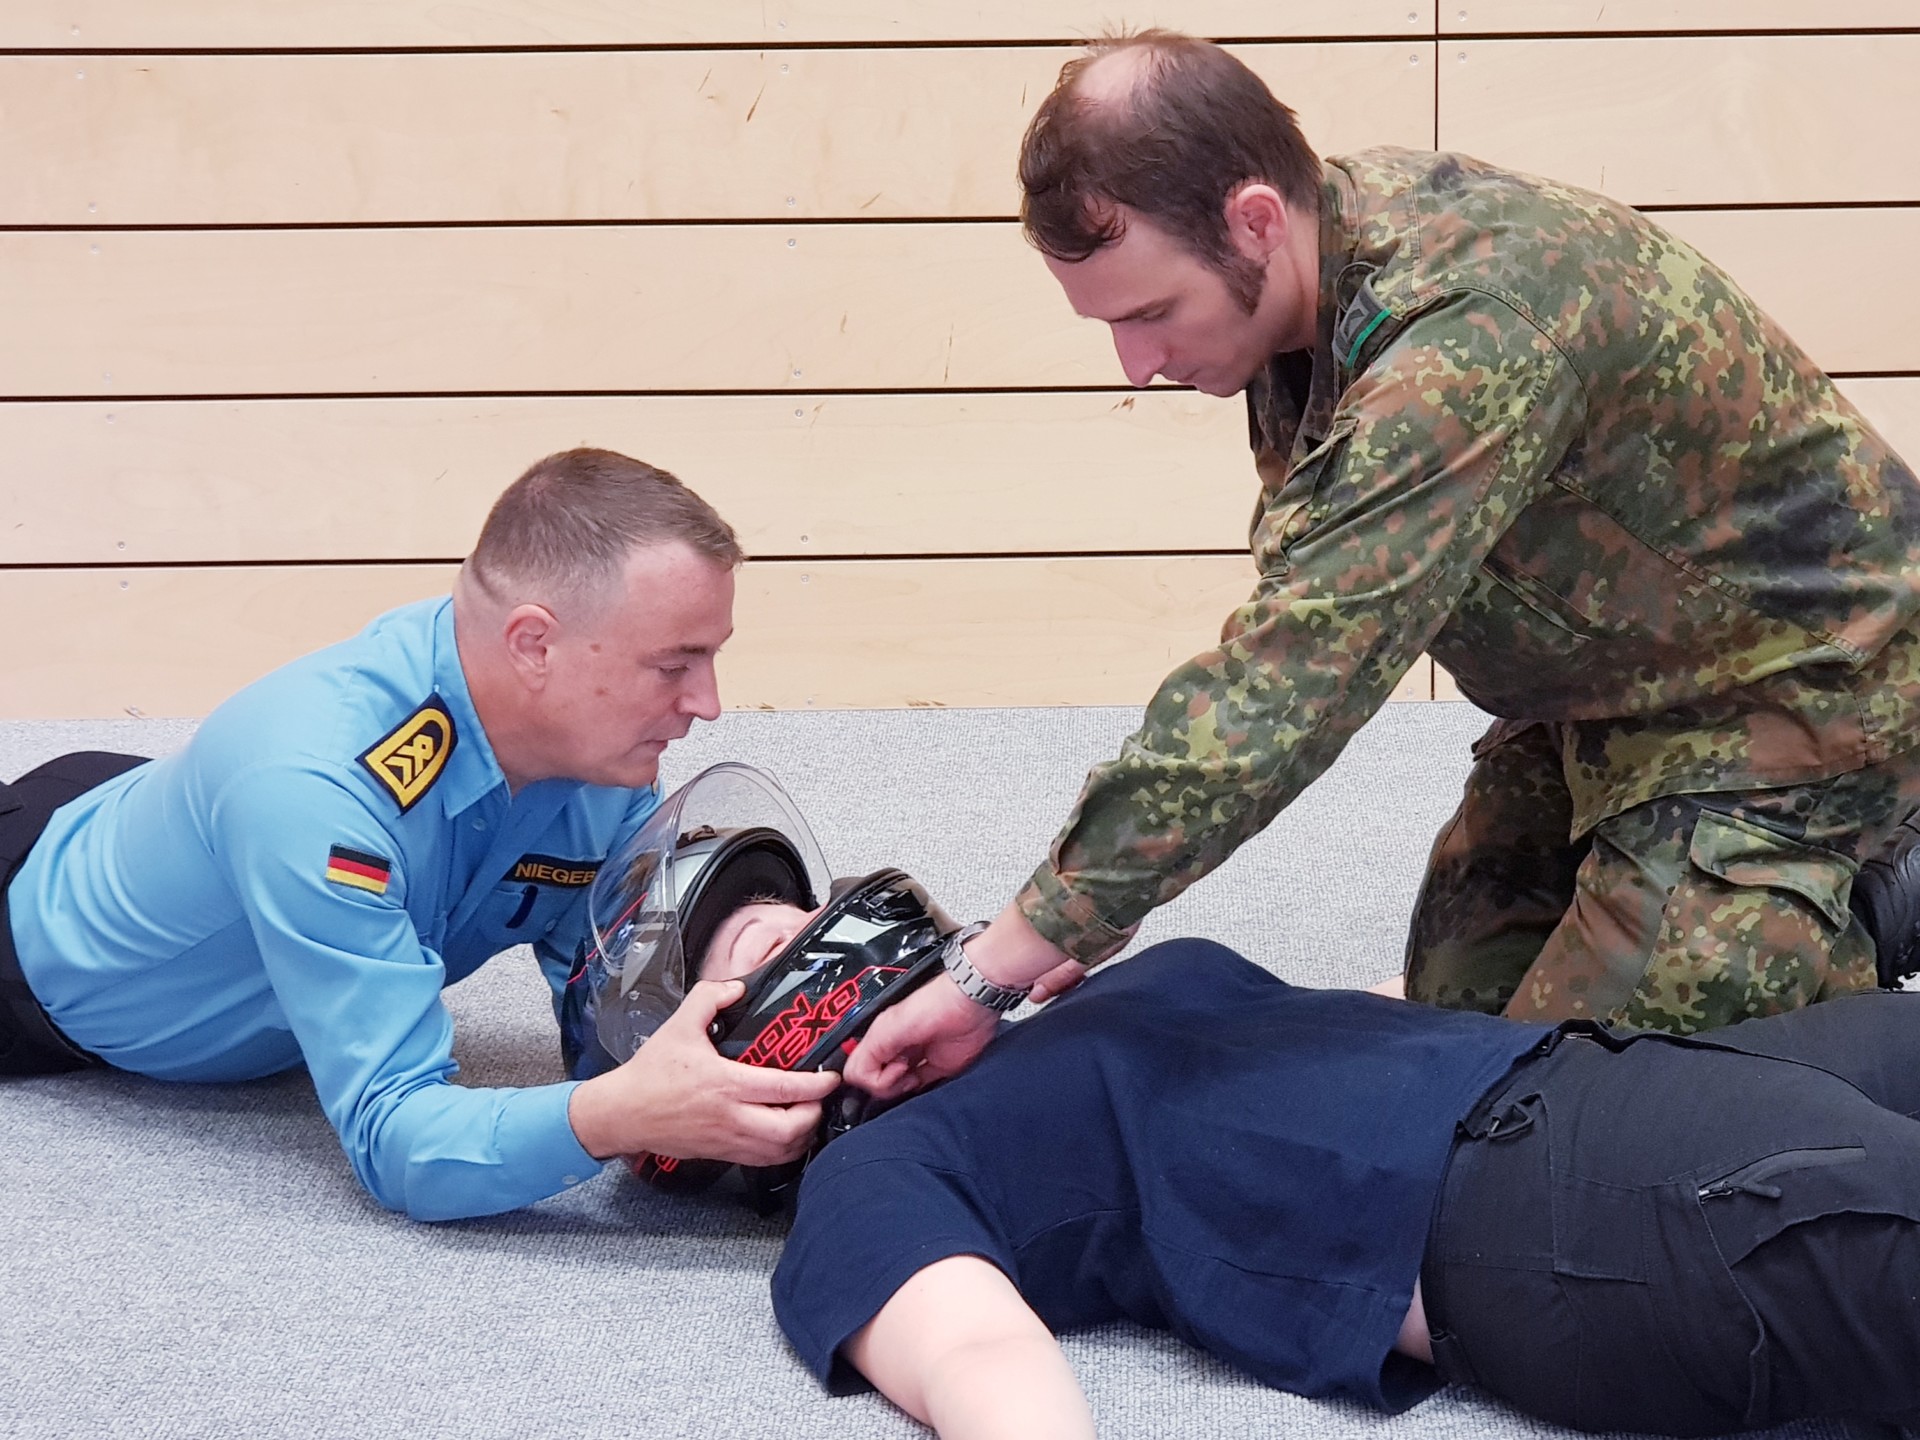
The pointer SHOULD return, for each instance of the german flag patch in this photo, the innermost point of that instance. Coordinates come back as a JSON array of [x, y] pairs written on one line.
[[410, 757], [358, 869]]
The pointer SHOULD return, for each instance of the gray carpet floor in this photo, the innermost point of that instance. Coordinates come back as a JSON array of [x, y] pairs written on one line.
[[189, 1261]]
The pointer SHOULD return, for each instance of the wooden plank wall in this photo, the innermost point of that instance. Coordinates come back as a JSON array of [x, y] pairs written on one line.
[[292, 290]]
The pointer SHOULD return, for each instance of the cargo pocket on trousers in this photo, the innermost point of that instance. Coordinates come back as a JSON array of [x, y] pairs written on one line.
[[1751, 1204], [1752, 857]]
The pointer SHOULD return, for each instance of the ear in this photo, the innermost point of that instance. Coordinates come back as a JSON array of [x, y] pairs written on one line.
[[530, 632], [1257, 220]]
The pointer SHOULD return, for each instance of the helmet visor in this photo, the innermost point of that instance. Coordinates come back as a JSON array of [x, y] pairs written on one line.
[[729, 834]]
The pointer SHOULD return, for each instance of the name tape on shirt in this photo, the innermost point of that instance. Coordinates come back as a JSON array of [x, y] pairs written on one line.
[[547, 870], [411, 756], [358, 869]]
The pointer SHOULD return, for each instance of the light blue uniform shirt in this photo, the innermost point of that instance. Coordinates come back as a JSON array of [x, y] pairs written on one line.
[[195, 918]]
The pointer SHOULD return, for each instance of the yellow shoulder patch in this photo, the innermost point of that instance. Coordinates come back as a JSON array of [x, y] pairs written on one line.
[[411, 756]]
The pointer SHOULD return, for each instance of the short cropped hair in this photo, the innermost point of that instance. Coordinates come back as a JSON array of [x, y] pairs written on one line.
[[566, 528], [1196, 126]]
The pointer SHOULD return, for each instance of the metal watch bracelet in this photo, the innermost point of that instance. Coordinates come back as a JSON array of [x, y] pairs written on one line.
[[975, 986]]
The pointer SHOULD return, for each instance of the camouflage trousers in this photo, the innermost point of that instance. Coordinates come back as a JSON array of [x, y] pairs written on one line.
[[1682, 914]]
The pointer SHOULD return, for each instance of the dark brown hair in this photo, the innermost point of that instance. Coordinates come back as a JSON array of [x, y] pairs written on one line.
[[1195, 127], [567, 526]]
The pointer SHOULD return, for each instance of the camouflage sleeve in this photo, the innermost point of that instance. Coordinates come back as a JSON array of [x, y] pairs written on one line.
[[1363, 553]]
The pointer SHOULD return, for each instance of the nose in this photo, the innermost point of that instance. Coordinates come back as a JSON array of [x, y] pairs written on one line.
[[1139, 357], [701, 698]]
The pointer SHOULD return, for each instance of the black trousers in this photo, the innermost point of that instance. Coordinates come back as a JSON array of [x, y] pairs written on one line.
[[30, 1043], [1693, 1236]]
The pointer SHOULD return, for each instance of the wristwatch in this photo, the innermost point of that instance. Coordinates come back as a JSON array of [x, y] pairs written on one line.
[[975, 986]]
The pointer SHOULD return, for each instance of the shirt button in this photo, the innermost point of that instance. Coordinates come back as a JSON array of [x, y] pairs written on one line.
[[569, 1179], [479, 824]]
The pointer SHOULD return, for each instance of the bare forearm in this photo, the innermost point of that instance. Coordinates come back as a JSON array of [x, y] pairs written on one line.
[[958, 1349], [1001, 1389]]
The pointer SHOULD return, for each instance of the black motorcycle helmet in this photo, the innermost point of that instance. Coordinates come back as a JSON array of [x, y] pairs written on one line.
[[655, 911], [877, 938]]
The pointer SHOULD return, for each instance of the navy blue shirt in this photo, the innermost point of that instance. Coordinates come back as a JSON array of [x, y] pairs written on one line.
[[1186, 1142]]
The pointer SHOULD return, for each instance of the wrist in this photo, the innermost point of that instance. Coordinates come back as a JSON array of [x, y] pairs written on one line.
[[593, 1120], [1010, 952], [973, 982]]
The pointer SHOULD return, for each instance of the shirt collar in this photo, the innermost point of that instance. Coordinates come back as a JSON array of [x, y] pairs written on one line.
[[472, 771], [1339, 238]]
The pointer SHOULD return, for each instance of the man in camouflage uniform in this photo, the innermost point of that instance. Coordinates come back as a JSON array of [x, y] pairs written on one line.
[[1516, 426]]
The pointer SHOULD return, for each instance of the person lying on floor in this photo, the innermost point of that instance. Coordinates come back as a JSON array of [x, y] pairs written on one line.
[[1346, 1195]]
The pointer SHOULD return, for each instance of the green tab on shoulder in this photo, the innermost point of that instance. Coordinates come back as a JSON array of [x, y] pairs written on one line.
[[1363, 316]]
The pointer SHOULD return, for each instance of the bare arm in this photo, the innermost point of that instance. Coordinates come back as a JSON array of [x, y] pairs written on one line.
[[958, 1349]]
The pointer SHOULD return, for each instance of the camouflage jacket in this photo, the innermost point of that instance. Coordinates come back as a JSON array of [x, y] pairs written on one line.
[[1548, 443]]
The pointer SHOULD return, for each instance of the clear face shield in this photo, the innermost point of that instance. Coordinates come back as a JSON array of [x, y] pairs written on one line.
[[729, 836]]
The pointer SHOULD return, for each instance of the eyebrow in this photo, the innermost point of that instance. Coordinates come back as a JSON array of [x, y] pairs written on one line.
[[692, 650]]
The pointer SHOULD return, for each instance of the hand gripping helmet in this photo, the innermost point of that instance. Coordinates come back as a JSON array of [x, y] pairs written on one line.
[[729, 837]]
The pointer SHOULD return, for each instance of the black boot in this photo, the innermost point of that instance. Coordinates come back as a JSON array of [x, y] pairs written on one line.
[[1886, 898]]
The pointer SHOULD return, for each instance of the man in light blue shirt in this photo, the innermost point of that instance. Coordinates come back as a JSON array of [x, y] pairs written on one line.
[[352, 833]]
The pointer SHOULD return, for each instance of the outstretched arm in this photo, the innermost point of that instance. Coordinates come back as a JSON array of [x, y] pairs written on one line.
[[958, 1349]]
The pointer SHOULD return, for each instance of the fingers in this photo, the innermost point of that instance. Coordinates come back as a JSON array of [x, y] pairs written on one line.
[[753, 1085], [888, 1081], [742, 1133], [773, 1136], [788, 1133], [706, 999], [1058, 981], [883, 1063], [933, 1033], [873, 1059]]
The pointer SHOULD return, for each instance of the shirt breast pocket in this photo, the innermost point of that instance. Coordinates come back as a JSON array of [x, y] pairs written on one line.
[[520, 912], [1286, 512], [1531, 618]]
